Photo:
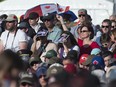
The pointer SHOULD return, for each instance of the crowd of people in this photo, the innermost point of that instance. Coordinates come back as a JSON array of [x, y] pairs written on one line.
[[57, 52]]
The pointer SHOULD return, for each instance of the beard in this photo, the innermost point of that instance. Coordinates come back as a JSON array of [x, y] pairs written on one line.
[[12, 28]]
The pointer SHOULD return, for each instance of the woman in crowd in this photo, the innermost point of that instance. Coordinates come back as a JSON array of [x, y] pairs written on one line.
[[67, 42], [85, 41]]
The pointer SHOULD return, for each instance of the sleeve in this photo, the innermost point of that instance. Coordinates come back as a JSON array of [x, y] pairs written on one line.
[[58, 36], [76, 48], [22, 37]]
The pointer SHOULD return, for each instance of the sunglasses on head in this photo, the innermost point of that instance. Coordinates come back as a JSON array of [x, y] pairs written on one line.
[[82, 15], [35, 62], [25, 83], [105, 26], [84, 31]]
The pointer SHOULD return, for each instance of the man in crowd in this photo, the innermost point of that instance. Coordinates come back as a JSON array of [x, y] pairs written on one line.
[[54, 31], [12, 38]]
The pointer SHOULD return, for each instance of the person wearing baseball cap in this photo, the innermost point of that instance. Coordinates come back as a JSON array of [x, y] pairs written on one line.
[[13, 38], [54, 31], [26, 80], [83, 58], [33, 21], [82, 14], [42, 45], [50, 54]]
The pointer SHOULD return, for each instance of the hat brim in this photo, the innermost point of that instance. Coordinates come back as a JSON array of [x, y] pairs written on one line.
[[10, 20], [27, 81]]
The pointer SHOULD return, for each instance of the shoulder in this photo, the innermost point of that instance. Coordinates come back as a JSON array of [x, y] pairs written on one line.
[[20, 32], [95, 45], [56, 28]]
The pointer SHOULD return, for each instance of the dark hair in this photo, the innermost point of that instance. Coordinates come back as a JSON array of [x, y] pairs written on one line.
[[107, 21], [107, 53], [105, 38], [72, 39], [89, 27]]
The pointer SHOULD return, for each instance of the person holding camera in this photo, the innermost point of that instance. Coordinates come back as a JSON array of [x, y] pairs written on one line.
[[67, 43], [41, 45]]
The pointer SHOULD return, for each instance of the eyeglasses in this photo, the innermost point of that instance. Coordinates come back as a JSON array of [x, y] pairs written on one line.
[[24, 84], [35, 62], [105, 26], [42, 76], [84, 31], [82, 15]]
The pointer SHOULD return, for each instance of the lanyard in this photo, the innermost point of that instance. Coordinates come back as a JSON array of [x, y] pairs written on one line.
[[12, 41]]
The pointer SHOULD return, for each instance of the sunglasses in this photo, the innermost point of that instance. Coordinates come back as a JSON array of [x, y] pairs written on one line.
[[10, 21], [105, 26], [24, 84], [46, 20], [113, 26], [104, 45], [84, 31], [35, 62], [82, 15], [42, 76]]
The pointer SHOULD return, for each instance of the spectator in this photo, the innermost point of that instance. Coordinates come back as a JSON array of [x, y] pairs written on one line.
[[113, 25], [67, 42], [85, 43], [54, 31], [41, 45], [12, 38], [33, 21]]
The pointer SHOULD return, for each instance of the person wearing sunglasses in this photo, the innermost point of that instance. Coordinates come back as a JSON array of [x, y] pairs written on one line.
[[106, 42], [13, 38], [41, 76], [105, 28], [82, 14], [54, 31], [85, 41], [34, 64], [113, 25]]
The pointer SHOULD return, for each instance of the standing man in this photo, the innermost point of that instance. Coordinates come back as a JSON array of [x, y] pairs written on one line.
[[12, 38]]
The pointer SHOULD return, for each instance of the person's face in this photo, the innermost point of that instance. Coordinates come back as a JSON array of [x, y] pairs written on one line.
[[106, 60], [42, 81], [10, 25], [112, 18], [67, 61], [35, 65], [32, 22], [105, 27], [24, 84], [48, 23], [84, 33], [112, 38], [113, 25], [106, 44], [82, 17]]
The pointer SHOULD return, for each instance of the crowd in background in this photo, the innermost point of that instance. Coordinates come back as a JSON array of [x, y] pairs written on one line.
[[57, 52]]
